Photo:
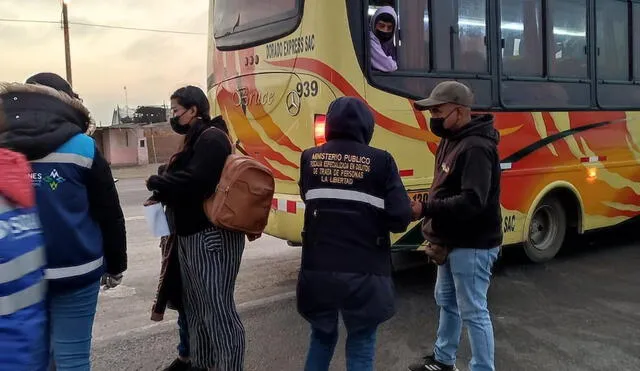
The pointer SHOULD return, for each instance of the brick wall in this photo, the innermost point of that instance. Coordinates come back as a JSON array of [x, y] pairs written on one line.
[[162, 142]]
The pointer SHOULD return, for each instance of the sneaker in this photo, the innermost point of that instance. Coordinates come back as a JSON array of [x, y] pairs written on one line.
[[429, 363], [178, 365]]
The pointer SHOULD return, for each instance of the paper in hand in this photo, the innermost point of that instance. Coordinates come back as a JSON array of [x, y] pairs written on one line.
[[157, 220]]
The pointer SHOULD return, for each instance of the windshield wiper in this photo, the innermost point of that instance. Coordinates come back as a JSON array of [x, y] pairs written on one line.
[[237, 24]]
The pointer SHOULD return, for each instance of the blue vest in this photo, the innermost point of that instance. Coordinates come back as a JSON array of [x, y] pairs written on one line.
[[73, 238], [23, 312]]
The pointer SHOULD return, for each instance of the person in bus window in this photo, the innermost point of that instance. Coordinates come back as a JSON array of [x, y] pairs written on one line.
[[346, 252], [383, 50]]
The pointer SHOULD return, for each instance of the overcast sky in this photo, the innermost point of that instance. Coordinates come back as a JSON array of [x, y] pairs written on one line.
[[150, 65]]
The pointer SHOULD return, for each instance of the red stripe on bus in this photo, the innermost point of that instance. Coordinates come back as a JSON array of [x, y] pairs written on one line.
[[598, 158], [291, 207]]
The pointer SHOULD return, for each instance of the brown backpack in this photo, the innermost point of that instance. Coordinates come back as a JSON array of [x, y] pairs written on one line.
[[243, 197]]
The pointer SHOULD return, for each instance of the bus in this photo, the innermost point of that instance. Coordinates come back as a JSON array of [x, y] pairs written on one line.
[[561, 77]]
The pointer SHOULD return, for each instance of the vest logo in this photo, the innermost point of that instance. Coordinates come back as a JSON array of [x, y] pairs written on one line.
[[19, 227], [54, 180], [445, 168], [36, 179]]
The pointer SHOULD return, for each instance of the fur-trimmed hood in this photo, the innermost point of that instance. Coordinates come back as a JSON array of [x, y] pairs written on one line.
[[9, 87], [40, 119]]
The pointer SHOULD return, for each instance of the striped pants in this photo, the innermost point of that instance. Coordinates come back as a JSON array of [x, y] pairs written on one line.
[[209, 264]]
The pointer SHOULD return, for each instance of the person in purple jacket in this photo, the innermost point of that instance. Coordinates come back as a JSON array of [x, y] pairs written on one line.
[[383, 51]]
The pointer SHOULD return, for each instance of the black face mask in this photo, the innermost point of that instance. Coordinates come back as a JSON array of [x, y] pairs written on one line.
[[175, 125], [437, 126], [383, 36]]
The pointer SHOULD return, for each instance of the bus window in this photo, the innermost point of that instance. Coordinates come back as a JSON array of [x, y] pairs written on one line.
[[612, 45], [469, 45], [568, 50], [413, 50], [471, 50], [636, 41], [243, 23], [521, 29]]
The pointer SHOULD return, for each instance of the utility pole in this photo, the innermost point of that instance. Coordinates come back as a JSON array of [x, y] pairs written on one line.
[[67, 49], [126, 101]]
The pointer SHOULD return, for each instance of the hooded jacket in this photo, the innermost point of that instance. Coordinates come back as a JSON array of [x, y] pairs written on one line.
[[23, 312], [383, 55], [463, 207], [354, 198], [78, 204]]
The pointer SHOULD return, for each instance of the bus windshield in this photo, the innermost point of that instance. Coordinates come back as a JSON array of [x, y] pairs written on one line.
[[242, 23]]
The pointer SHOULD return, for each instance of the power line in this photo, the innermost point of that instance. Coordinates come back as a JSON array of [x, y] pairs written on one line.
[[104, 26]]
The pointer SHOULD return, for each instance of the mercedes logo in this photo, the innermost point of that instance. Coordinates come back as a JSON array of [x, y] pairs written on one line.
[[293, 103]]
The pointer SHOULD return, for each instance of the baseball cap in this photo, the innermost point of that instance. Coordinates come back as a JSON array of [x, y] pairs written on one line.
[[447, 92]]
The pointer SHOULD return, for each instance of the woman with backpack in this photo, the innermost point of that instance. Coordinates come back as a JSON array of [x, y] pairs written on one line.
[[209, 256]]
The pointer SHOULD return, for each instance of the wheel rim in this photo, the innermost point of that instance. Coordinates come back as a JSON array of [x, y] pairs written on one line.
[[544, 228]]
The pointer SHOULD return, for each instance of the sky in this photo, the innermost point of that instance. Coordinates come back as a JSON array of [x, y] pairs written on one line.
[[104, 61]]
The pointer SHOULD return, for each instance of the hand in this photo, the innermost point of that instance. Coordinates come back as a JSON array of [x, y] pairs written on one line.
[[149, 202], [416, 210], [149, 181], [110, 281]]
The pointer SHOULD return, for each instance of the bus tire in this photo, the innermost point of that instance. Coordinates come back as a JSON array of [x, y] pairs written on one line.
[[547, 230]]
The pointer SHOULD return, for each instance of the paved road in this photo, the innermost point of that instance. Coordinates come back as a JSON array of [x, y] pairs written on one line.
[[579, 312]]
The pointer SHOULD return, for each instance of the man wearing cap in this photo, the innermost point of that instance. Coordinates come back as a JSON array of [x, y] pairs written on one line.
[[461, 225]]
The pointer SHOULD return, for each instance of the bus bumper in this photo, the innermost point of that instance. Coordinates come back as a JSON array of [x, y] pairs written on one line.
[[286, 218]]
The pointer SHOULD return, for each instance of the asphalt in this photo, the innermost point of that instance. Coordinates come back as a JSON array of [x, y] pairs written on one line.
[[579, 312]]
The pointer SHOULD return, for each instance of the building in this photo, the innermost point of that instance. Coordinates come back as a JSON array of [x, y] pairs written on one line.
[[136, 144], [162, 142], [141, 115], [122, 145]]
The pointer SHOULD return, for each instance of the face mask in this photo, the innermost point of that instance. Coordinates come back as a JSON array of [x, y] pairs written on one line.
[[384, 36], [175, 125], [437, 126]]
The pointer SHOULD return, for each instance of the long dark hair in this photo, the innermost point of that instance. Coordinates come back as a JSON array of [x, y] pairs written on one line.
[[188, 97]]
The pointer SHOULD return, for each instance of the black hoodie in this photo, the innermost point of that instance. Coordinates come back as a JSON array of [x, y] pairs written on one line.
[[40, 119], [354, 197], [463, 207]]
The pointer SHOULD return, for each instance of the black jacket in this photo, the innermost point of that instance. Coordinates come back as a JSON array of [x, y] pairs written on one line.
[[192, 177], [40, 121], [463, 207], [354, 198]]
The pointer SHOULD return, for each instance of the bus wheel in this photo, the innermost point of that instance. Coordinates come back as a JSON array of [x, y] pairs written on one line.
[[547, 231]]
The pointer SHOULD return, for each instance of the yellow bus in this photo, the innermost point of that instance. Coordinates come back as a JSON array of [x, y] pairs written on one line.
[[562, 78]]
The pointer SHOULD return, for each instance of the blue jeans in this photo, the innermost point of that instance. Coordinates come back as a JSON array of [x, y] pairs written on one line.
[[360, 347], [183, 331], [71, 315], [461, 293]]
